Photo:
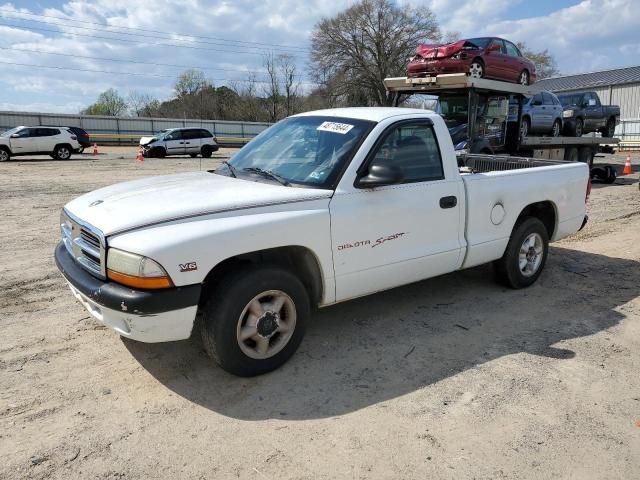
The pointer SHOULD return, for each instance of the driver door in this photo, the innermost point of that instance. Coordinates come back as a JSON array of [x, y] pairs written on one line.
[[396, 234], [25, 141]]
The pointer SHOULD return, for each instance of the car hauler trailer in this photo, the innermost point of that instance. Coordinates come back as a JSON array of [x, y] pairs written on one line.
[[481, 119]]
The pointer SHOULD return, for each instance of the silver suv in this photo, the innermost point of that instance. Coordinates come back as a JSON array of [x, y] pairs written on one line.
[[179, 141], [58, 142]]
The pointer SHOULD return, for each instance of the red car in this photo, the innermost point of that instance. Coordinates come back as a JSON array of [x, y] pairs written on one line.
[[488, 57]]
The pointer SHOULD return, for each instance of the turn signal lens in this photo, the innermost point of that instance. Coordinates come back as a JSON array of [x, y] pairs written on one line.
[[150, 283], [136, 271]]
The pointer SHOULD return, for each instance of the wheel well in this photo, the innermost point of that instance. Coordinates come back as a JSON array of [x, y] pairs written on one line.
[[5, 148], [543, 211], [299, 260], [63, 145], [479, 60]]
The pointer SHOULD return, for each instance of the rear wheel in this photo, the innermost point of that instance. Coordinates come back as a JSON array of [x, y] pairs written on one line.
[[523, 78], [476, 70], [610, 130], [526, 254], [206, 151], [255, 319], [5, 155], [62, 152], [586, 156], [556, 129]]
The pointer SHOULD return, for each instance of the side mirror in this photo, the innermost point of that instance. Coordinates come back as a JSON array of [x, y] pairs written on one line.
[[380, 175], [15, 135]]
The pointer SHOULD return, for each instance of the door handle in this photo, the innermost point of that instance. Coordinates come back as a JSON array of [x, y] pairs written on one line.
[[188, 143], [448, 202], [181, 143]]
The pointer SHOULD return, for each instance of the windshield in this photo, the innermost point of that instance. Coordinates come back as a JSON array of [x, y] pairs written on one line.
[[479, 42], [303, 150], [454, 109], [566, 100], [10, 132]]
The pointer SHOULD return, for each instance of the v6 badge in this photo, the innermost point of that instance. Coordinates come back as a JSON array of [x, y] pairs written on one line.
[[188, 267]]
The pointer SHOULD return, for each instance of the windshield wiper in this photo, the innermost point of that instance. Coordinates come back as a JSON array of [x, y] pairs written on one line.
[[268, 174], [231, 168]]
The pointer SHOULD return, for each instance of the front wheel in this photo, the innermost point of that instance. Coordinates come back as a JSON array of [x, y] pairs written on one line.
[[255, 319], [526, 254], [525, 127], [5, 156], [556, 129], [610, 130], [476, 70], [578, 129]]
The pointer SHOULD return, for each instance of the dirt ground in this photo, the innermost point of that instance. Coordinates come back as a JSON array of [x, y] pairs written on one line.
[[454, 377]]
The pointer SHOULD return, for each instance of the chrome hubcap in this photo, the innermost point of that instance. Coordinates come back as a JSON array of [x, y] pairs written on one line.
[[530, 255], [3, 156], [524, 78], [556, 129], [524, 130], [475, 70], [266, 324], [63, 153]]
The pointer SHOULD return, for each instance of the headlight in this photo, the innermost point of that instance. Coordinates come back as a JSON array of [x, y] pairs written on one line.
[[136, 271], [567, 114]]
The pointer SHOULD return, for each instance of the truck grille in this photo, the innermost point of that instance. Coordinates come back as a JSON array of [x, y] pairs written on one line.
[[84, 243]]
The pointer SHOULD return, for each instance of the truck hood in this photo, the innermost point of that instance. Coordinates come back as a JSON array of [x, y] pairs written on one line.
[[129, 205]]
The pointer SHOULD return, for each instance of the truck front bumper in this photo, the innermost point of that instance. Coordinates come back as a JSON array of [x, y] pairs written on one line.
[[147, 316]]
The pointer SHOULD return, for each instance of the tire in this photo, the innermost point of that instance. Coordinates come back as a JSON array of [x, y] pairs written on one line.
[[5, 155], [62, 152], [578, 128], [556, 129], [525, 256], [524, 78], [206, 151], [158, 152], [226, 312], [610, 130], [571, 154], [81, 150], [525, 128], [476, 69], [586, 156]]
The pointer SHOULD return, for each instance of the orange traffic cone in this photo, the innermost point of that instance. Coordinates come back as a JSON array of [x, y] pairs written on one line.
[[140, 157], [627, 166], [95, 149]]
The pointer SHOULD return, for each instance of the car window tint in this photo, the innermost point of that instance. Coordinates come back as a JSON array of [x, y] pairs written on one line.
[[547, 99], [500, 43], [190, 134], [555, 100], [205, 134], [512, 51], [26, 132], [537, 99], [414, 149]]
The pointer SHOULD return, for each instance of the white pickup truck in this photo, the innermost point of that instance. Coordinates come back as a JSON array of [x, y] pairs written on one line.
[[320, 208]]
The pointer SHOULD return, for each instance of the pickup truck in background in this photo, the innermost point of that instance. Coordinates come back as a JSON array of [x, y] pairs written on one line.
[[583, 113], [320, 208]]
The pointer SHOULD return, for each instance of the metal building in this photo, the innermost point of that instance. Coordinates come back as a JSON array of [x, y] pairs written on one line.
[[620, 86]]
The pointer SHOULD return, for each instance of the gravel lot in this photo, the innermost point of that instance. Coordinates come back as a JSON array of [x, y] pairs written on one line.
[[453, 377]]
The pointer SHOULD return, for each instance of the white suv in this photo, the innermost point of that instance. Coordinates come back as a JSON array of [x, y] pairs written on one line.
[[180, 141], [58, 142]]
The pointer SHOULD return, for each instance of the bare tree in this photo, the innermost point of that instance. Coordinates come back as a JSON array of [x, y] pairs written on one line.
[[190, 82], [140, 103], [272, 86], [368, 42], [290, 84], [545, 63]]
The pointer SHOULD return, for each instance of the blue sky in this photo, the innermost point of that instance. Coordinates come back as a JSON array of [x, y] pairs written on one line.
[[583, 35]]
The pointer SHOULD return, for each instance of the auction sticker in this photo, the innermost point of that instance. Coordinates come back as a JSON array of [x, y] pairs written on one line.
[[335, 127]]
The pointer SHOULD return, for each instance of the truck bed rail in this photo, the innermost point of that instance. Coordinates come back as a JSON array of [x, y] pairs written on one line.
[[483, 163]]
